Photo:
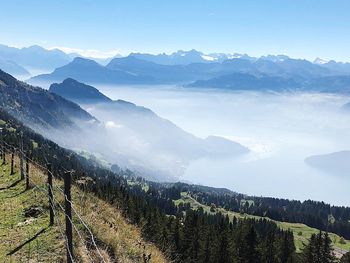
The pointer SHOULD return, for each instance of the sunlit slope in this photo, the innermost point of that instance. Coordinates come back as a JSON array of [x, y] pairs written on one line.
[[26, 237]]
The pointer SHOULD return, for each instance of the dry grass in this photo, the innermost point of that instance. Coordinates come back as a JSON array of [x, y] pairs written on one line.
[[116, 238], [113, 231]]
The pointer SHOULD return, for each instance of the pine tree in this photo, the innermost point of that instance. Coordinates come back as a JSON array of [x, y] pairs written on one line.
[[287, 247], [327, 254], [268, 253], [207, 250], [319, 249], [251, 241]]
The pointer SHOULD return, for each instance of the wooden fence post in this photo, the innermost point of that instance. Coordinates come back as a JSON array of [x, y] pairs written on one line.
[[68, 212], [50, 193], [3, 153], [2, 143], [27, 172], [21, 158], [12, 160]]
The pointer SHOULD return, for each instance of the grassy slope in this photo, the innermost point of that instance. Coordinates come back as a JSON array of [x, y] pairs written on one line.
[[296, 228], [15, 228], [118, 240]]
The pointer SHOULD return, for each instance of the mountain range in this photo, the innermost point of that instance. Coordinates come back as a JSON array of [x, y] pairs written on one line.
[[80, 117], [188, 57], [278, 73], [189, 68], [90, 71]]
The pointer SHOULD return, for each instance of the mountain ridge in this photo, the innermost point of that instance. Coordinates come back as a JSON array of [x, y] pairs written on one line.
[[38, 107]]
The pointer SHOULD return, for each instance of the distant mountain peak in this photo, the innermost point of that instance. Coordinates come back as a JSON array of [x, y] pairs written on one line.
[[189, 52], [320, 61], [275, 58], [76, 91], [34, 47], [84, 60]]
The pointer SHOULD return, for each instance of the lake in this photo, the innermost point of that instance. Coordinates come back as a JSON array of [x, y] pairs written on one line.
[[281, 130]]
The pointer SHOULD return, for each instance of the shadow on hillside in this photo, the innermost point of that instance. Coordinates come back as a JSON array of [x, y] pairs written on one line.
[[26, 242], [15, 195], [11, 185]]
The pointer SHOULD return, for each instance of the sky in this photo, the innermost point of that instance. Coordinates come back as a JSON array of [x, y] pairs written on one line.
[[101, 28]]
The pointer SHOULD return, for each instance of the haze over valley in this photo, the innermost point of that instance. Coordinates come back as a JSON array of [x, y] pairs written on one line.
[[225, 120], [280, 130]]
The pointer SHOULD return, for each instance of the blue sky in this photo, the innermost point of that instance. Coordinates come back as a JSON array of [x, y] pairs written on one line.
[[299, 28]]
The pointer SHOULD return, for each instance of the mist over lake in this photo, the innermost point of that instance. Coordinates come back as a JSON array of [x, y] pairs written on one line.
[[281, 130]]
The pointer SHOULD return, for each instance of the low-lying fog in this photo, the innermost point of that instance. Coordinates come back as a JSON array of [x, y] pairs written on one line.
[[280, 130]]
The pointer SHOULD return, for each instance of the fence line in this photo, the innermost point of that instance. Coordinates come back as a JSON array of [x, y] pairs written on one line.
[[55, 203]]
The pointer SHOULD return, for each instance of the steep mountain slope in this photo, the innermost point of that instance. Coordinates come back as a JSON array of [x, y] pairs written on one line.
[[39, 108], [78, 92]]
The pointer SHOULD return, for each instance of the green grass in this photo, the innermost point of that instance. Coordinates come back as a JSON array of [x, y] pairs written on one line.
[[16, 229], [296, 228], [306, 232]]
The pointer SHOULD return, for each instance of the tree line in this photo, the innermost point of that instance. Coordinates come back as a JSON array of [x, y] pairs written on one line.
[[315, 214]]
